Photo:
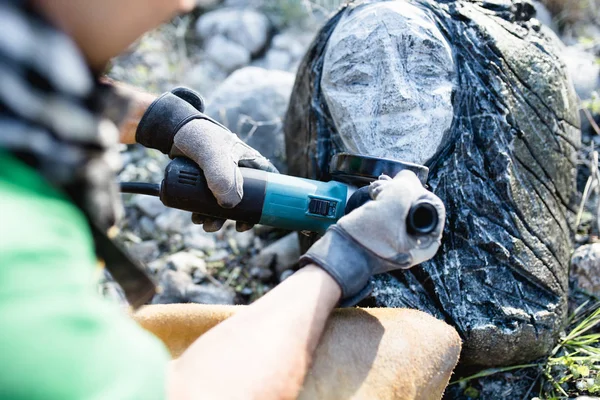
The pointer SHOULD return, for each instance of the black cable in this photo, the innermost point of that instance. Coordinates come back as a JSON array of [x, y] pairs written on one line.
[[152, 189]]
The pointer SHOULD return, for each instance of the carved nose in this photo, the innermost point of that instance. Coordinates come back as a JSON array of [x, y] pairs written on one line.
[[398, 95]]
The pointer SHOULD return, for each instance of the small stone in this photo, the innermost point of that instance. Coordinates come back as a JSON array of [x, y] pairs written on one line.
[[186, 262], [174, 242], [172, 286], [244, 27], [144, 251], [149, 205], [194, 239], [585, 267], [156, 266], [243, 240], [278, 59], [210, 294], [294, 42], [281, 254], [131, 237], [286, 274], [257, 244], [173, 221], [199, 275], [147, 227], [227, 54], [218, 255], [261, 273]]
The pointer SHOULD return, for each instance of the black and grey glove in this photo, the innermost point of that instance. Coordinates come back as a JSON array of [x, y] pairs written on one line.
[[373, 238], [175, 124]]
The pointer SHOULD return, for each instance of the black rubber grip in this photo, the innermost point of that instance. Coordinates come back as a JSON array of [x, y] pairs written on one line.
[[166, 115], [422, 217], [184, 187]]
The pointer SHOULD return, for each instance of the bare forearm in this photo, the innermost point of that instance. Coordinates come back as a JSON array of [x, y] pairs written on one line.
[[139, 102], [264, 351]]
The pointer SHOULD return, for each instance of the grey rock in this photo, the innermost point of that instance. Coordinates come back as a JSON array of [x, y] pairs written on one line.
[[245, 27], [505, 168], [227, 54], [286, 274], [186, 262], [293, 42], [172, 287], [173, 221], [198, 276], [209, 294], [246, 291], [178, 287], [585, 267], [196, 238], [278, 59], [279, 255], [261, 273], [252, 103], [156, 266], [243, 240], [147, 228], [145, 251], [583, 69], [173, 242], [218, 255], [205, 77]]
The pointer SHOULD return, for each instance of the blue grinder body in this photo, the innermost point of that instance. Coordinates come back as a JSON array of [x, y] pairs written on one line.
[[312, 205], [280, 201]]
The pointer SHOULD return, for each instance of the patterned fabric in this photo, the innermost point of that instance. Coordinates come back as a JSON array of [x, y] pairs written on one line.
[[53, 113]]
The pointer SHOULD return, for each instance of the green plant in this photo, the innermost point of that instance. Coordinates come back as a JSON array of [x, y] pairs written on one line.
[[593, 104], [574, 364]]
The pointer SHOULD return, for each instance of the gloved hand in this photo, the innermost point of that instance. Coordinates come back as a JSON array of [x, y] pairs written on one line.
[[174, 124], [373, 238]]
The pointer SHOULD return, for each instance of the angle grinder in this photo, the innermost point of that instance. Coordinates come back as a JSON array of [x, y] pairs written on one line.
[[288, 202]]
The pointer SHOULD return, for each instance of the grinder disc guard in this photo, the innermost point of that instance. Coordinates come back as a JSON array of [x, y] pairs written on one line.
[[360, 170]]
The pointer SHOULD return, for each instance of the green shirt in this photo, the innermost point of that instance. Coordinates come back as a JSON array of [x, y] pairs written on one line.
[[58, 338]]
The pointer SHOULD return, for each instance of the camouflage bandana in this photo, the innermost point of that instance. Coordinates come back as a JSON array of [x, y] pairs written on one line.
[[53, 113]]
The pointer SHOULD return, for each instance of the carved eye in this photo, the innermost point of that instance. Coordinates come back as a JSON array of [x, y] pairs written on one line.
[[427, 72], [358, 78]]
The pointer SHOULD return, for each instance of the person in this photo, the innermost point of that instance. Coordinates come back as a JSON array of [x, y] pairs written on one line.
[[59, 339]]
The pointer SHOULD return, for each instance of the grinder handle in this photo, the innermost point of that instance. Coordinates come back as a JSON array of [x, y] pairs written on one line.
[[422, 217]]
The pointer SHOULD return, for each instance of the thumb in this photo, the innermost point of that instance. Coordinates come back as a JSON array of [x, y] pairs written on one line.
[[251, 158]]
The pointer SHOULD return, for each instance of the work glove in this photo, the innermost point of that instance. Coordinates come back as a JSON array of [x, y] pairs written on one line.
[[175, 124], [374, 239]]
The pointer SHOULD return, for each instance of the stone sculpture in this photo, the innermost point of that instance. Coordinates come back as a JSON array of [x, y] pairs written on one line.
[[476, 91]]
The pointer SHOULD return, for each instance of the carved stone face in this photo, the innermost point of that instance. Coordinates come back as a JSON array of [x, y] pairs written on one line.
[[387, 78]]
